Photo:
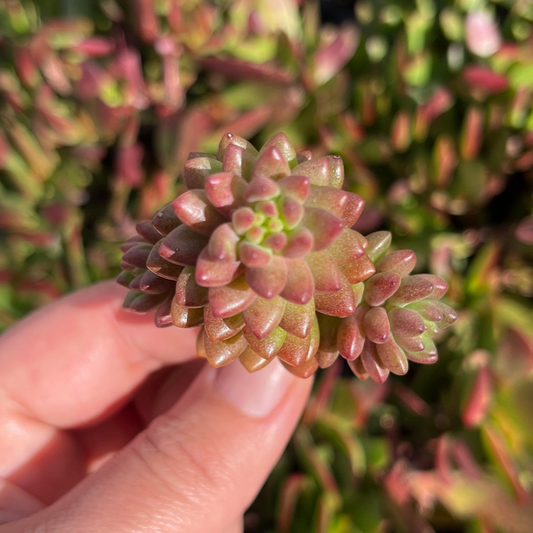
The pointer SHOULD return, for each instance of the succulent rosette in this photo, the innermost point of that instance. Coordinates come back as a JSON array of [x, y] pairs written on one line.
[[396, 319], [259, 251]]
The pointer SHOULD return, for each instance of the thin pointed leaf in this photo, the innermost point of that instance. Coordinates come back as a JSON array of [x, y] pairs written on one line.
[[270, 280], [198, 169], [231, 299], [213, 273], [300, 285], [222, 353], [412, 289], [324, 226], [165, 220], [295, 186], [377, 327], [393, 357], [183, 317], [137, 256], [407, 323], [220, 329], [151, 283], [359, 270], [378, 244], [230, 138], [351, 334], [373, 365], [380, 287], [182, 246], [194, 210], [263, 316], [282, 143], [268, 346], [163, 315], [348, 247], [299, 244], [146, 230], [223, 244], [261, 188], [298, 319], [225, 191], [326, 275], [238, 161], [323, 171], [161, 266], [401, 262], [340, 303], [251, 361], [253, 255], [188, 292], [271, 164]]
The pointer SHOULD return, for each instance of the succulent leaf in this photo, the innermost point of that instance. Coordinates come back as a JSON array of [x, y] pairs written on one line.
[[268, 281], [252, 361], [263, 316], [165, 220], [231, 299], [195, 210], [300, 285], [182, 246], [225, 191]]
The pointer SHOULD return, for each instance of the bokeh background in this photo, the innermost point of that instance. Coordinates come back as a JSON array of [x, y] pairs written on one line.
[[429, 103]]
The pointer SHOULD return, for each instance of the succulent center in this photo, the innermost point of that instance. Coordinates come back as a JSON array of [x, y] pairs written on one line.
[[265, 223]]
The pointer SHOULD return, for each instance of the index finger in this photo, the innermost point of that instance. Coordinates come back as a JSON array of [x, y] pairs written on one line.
[[77, 359]]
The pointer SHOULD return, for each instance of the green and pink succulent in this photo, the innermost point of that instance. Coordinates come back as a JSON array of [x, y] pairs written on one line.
[[261, 253]]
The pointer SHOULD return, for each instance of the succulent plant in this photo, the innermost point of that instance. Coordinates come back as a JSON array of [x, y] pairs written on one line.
[[259, 251], [396, 319]]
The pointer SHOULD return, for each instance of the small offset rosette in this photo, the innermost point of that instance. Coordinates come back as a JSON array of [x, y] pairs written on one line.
[[396, 319]]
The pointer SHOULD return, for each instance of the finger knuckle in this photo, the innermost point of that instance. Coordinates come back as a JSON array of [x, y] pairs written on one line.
[[166, 452]]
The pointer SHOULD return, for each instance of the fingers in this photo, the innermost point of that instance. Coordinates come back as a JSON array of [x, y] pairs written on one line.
[[74, 362], [198, 466], [164, 388], [16, 503], [80, 358]]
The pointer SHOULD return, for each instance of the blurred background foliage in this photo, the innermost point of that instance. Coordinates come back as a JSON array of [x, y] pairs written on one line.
[[429, 103]]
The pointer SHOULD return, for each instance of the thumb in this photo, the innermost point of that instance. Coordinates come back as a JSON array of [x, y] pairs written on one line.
[[198, 466]]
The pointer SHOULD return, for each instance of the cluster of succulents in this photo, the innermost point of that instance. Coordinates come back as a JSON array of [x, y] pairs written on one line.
[[444, 99], [429, 106], [260, 251]]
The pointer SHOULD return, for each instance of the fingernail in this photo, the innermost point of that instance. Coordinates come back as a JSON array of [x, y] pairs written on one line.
[[257, 394]]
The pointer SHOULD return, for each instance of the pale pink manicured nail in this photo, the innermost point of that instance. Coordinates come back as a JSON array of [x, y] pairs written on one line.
[[256, 394]]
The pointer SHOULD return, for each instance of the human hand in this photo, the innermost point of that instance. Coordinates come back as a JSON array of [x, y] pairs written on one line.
[[100, 434]]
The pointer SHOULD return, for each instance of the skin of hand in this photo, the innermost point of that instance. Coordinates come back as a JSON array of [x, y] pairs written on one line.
[[100, 430]]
